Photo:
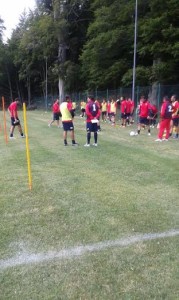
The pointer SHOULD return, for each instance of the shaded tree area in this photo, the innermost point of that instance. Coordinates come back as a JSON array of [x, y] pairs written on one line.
[[107, 57], [89, 44], [33, 49]]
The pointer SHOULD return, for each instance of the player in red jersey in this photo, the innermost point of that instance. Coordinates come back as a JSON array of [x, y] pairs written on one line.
[[153, 113], [175, 117], [99, 106], [123, 111], [92, 115], [56, 113], [132, 110], [165, 119], [14, 118], [128, 111], [144, 109]]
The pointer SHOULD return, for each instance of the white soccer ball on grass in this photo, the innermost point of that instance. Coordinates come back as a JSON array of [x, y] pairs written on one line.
[[132, 133]]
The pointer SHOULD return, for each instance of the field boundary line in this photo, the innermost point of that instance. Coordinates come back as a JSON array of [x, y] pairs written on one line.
[[70, 253]]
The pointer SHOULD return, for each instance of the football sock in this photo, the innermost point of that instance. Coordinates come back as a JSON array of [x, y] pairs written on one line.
[[88, 137], [95, 137]]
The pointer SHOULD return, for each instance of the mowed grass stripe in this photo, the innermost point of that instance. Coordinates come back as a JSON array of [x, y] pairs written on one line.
[[70, 253]]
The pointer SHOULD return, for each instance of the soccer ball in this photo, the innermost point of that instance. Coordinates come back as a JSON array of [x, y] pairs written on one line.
[[132, 133]]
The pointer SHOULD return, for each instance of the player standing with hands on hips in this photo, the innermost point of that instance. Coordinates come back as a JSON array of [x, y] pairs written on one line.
[[56, 113], [15, 119], [67, 121], [92, 119], [165, 119]]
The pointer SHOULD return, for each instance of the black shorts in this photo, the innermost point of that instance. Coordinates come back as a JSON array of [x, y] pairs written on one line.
[[91, 127], [175, 122], [103, 113], [72, 113], [68, 126], [152, 115], [56, 116], [144, 121], [13, 123], [123, 116]]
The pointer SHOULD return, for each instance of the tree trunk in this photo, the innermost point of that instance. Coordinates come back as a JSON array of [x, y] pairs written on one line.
[[153, 93], [28, 89], [9, 82], [18, 90], [58, 10]]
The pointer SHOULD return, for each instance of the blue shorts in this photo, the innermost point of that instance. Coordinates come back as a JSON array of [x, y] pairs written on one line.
[[91, 127], [13, 123], [144, 121], [68, 126]]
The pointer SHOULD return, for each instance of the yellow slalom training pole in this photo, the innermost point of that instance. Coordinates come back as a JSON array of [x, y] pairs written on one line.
[[4, 117], [27, 146]]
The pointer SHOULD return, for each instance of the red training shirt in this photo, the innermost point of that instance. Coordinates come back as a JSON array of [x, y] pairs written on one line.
[[13, 110]]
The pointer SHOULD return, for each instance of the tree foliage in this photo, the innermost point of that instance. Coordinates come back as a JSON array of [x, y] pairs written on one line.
[[97, 38]]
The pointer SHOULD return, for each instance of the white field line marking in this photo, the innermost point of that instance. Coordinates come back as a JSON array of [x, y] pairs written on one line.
[[69, 253]]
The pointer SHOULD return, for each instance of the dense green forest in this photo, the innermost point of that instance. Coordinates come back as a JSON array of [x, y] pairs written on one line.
[[88, 44]]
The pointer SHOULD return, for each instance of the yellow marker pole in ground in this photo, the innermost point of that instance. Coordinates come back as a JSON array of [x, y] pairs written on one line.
[[4, 117], [27, 146]]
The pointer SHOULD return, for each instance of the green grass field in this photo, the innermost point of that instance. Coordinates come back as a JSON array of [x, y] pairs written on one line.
[[126, 187]]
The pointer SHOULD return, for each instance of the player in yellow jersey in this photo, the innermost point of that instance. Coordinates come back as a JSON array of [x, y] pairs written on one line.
[[67, 122], [113, 111], [104, 110], [73, 109], [83, 107]]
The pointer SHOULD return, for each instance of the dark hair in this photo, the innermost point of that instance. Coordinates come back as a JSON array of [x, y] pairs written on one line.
[[174, 96], [166, 98], [91, 98]]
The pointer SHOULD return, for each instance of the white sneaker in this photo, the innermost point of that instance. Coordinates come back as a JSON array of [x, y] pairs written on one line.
[[12, 138], [49, 125], [23, 136], [95, 144], [166, 140], [149, 133], [87, 145], [158, 140]]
